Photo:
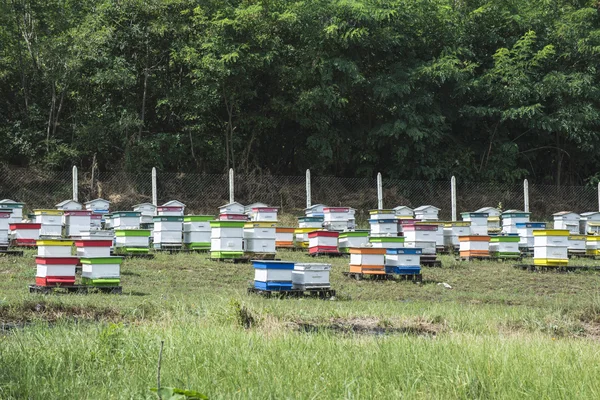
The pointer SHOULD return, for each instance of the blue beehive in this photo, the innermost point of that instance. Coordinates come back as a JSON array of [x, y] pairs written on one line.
[[405, 261], [273, 275]]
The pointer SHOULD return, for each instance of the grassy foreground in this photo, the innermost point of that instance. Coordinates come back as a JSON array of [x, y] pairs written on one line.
[[498, 333]]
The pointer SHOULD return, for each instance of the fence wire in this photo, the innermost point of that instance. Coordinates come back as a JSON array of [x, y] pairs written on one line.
[[204, 193]]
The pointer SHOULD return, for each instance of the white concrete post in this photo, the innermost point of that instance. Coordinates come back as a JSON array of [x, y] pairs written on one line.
[[154, 190], [75, 184], [231, 188], [526, 194], [379, 192], [308, 192], [453, 197], [598, 196]]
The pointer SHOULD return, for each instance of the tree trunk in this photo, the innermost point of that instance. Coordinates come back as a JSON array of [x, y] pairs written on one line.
[[559, 157], [50, 115]]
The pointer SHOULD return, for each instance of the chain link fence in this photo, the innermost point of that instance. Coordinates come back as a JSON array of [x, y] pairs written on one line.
[[203, 193]]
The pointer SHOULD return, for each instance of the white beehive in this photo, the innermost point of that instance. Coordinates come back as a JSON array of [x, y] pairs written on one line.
[[126, 219], [567, 220], [427, 213], [147, 211], [590, 223], [169, 211], [24, 233], [311, 276], [525, 232], [478, 220], [452, 230], [232, 208], [338, 218], [316, 210], [93, 247], [577, 244], [226, 238], [493, 218], [383, 227], [323, 242], [69, 205], [259, 237], [54, 248], [16, 209], [249, 207], [263, 214], [551, 247], [99, 206], [404, 212], [174, 203], [510, 219], [51, 221], [352, 239], [310, 222], [4, 218], [196, 231], [77, 221], [168, 230]]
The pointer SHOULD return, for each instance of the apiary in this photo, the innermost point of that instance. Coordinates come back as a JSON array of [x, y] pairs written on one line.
[[51, 222], [93, 247], [16, 210], [592, 246], [147, 211], [264, 214], [479, 222], [551, 247], [391, 242], [350, 239], [404, 212], [126, 219], [577, 244], [259, 237], [132, 241], [284, 237], [525, 232], [77, 221], [196, 231], [452, 231], [504, 247], [24, 233], [273, 275], [403, 261], [367, 260], [383, 227], [54, 248], [323, 242], [567, 220], [474, 246], [227, 239], [310, 222], [55, 271], [311, 276], [168, 231], [301, 236], [510, 219], [427, 213], [101, 271]]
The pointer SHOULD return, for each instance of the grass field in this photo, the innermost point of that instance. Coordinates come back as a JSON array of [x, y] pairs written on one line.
[[498, 332]]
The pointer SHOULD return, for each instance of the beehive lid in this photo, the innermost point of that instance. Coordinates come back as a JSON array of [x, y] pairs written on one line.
[[426, 208], [265, 209], [227, 224], [57, 260], [311, 219], [64, 203], [54, 242], [493, 211], [174, 203], [354, 234], [80, 213], [383, 221], [198, 218], [387, 239], [323, 234], [168, 218], [405, 250], [367, 250], [375, 212], [577, 237], [272, 264], [457, 224], [312, 267], [515, 213], [48, 212], [101, 260], [132, 232], [403, 209], [25, 225], [474, 214], [99, 201], [566, 215], [305, 230], [8, 203], [281, 229], [591, 214], [538, 225], [504, 239], [551, 232], [475, 238], [260, 224], [126, 214]]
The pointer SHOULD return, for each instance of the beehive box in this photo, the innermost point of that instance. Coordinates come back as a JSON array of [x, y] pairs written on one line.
[[284, 237], [474, 246], [233, 217], [264, 214], [382, 214], [310, 222], [577, 244], [479, 222], [352, 239], [273, 275], [551, 247], [196, 231], [567, 220], [16, 209], [403, 261], [24, 233], [260, 237], [525, 232], [420, 232], [77, 221], [99, 206], [54, 248], [404, 212], [69, 205], [168, 230], [589, 224], [147, 211], [96, 221], [493, 218], [505, 246], [51, 221], [4, 222], [316, 210], [93, 248], [592, 245], [439, 232], [390, 242], [132, 240], [227, 239], [169, 211], [55, 271], [311, 276], [510, 219], [383, 227], [323, 242], [452, 230], [126, 219], [232, 208], [367, 260], [427, 213], [338, 218], [101, 271]]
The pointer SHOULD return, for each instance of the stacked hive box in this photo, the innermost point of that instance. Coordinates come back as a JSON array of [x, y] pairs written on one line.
[[567, 220], [403, 222], [249, 207], [196, 232], [226, 239], [264, 214], [383, 223], [16, 210], [316, 210], [551, 247], [96, 247], [301, 237], [338, 218], [77, 221], [592, 246], [273, 275], [577, 245], [352, 239], [421, 236], [427, 213], [438, 233], [391, 242], [510, 219], [474, 246], [452, 231], [323, 242], [126, 219], [367, 260], [259, 237], [4, 218], [590, 223], [168, 231], [493, 219], [98, 267], [305, 226], [479, 222], [504, 247], [69, 205], [311, 276], [284, 238], [525, 232], [404, 212], [232, 212], [55, 264], [403, 261], [310, 222], [24, 234], [51, 222], [132, 241], [147, 211], [98, 207]]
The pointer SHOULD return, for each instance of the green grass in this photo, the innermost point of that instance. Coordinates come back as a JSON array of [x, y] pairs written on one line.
[[498, 333]]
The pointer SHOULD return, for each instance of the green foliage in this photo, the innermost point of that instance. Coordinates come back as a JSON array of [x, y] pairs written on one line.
[[169, 393]]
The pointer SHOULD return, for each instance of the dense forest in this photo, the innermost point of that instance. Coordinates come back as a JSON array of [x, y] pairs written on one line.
[[417, 89]]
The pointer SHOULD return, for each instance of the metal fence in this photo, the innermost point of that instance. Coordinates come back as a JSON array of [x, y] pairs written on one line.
[[203, 193]]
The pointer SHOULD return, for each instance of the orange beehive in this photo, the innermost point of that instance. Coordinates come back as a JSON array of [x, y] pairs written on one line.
[[367, 260], [284, 237], [474, 246]]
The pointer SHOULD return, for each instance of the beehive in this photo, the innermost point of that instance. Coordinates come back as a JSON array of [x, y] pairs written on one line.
[[510, 219], [316, 210], [99, 206], [16, 210], [301, 236], [196, 231], [525, 232], [226, 239], [233, 217], [24, 233], [439, 232], [367, 260], [147, 211], [311, 276], [405, 221], [77, 221], [69, 205], [382, 214], [273, 275], [93, 247], [54, 248], [101, 271], [551, 247], [404, 212], [479, 222], [592, 246], [350, 239], [567, 220], [126, 219], [4, 218], [169, 211], [168, 231], [383, 227], [427, 213], [132, 241], [260, 237], [284, 237], [452, 230], [310, 222], [505, 246], [403, 261], [232, 208], [55, 271], [590, 223], [474, 246], [391, 242], [493, 219], [323, 242], [422, 236], [51, 222], [264, 214], [248, 208], [338, 218], [577, 244]]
